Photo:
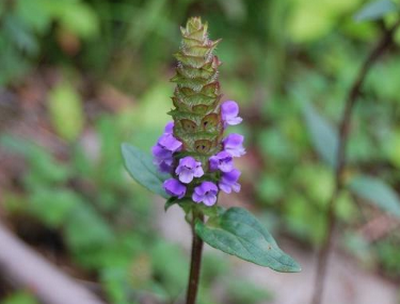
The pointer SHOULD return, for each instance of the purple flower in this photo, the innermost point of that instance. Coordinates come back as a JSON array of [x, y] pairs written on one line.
[[233, 144], [230, 112], [222, 161], [174, 188], [160, 152], [166, 145], [164, 165], [205, 193], [169, 128], [229, 182], [188, 168], [169, 142]]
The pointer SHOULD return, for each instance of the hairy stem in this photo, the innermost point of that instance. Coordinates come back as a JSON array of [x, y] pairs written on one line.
[[385, 42], [195, 263]]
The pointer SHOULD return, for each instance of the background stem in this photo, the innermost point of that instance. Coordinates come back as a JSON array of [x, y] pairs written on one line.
[[385, 42], [195, 263]]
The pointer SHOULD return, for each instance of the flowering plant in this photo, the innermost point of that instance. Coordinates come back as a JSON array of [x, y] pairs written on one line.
[[192, 161]]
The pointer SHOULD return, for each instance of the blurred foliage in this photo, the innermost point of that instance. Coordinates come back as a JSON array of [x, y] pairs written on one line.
[[65, 110], [288, 63], [106, 223], [20, 297]]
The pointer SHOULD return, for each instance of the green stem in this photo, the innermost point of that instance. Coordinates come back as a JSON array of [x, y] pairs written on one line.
[[195, 263]]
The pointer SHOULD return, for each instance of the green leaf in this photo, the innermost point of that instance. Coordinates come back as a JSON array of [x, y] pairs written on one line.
[[86, 229], [376, 192], [53, 206], [43, 165], [376, 10], [66, 111], [239, 233], [80, 19], [167, 259], [141, 168], [40, 21], [323, 135], [22, 35]]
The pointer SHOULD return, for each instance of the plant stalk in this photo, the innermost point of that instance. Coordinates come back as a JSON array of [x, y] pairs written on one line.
[[195, 263], [344, 129]]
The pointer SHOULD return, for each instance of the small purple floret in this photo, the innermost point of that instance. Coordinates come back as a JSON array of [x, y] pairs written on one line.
[[233, 144], [174, 188], [230, 112], [166, 145], [205, 193], [222, 161], [188, 168], [169, 128], [229, 182], [164, 165], [161, 153], [169, 142]]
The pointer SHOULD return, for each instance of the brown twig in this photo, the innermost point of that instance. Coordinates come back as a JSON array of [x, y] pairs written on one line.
[[195, 263], [344, 128]]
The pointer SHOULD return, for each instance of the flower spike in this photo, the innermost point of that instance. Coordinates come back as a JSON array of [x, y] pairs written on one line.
[[192, 148]]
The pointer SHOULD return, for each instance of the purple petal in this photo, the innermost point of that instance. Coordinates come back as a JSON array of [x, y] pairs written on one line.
[[229, 182], [230, 112], [236, 187], [196, 197], [222, 161], [229, 108], [170, 143], [206, 192], [174, 188], [226, 167], [188, 162], [160, 152], [225, 187], [165, 167], [198, 171], [188, 168], [233, 121], [210, 199], [214, 163], [199, 191], [233, 144], [209, 187], [232, 176], [186, 176], [169, 128]]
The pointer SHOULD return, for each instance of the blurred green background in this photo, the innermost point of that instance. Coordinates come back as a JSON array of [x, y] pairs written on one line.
[[79, 77]]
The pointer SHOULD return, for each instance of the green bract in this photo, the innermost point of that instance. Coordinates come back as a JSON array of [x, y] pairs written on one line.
[[197, 117]]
